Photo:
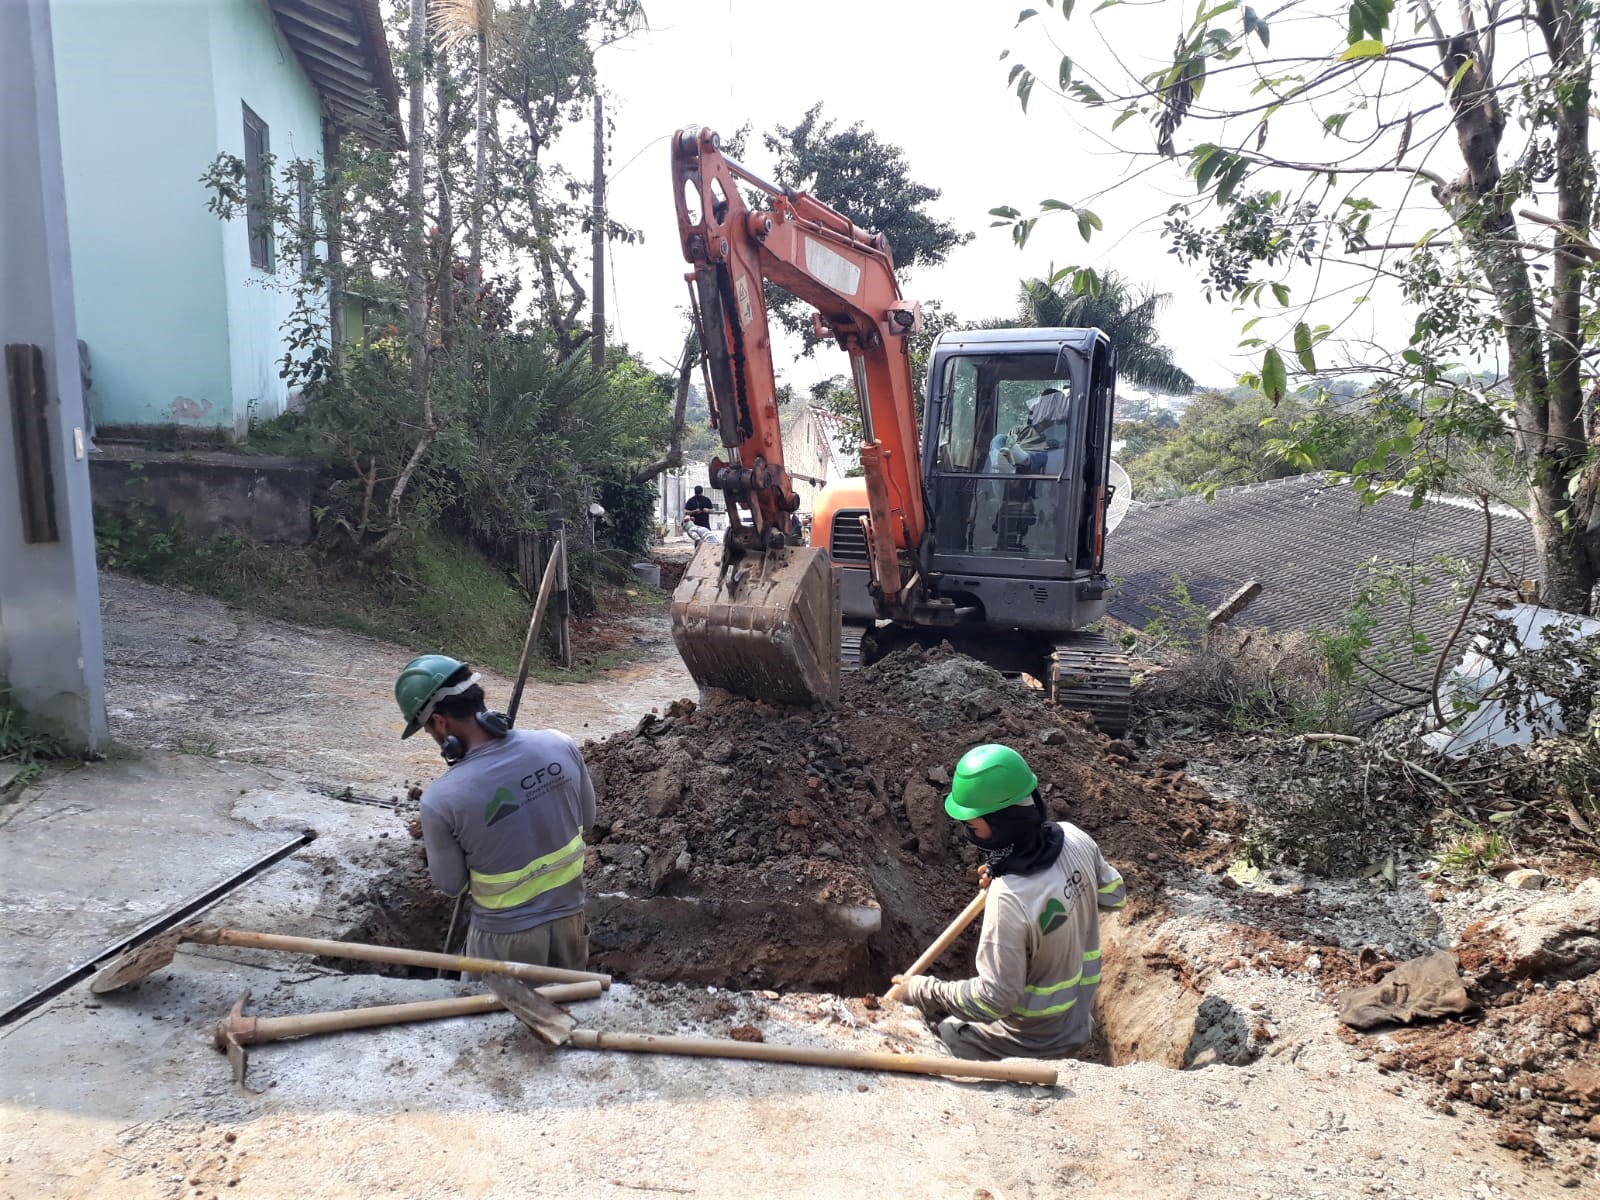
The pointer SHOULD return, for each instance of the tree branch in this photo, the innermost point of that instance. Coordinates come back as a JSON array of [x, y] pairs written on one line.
[[1466, 610]]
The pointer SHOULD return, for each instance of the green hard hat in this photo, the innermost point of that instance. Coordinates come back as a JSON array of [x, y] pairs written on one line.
[[987, 779], [418, 682]]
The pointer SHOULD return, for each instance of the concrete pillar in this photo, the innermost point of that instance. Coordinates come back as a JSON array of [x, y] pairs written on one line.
[[50, 648]]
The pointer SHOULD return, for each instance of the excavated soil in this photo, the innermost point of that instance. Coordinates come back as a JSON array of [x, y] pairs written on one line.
[[1528, 1053], [787, 821]]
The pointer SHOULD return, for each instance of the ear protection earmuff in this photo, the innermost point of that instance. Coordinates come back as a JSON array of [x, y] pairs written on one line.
[[495, 724]]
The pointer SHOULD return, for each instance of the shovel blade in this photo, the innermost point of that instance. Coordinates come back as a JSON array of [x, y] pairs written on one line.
[[549, 1021], [765, 626], [138, 963]]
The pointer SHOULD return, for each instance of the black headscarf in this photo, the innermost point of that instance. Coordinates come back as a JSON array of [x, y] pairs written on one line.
[[1020, 841]]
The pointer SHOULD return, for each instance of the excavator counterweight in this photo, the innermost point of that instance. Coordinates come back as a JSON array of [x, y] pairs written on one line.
[[761, 624]]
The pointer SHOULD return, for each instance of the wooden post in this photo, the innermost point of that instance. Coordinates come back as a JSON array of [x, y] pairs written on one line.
[[564, 600], [597, 235], [532, 640]]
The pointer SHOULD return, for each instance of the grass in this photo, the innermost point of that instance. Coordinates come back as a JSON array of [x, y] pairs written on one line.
[[432, 594], [1475, 851], [24, 742]]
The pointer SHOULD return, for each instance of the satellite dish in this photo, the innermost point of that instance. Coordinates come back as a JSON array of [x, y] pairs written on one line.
[[1121, 499]]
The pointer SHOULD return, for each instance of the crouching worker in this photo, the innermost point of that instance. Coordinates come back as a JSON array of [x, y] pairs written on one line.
[[505, 821], [1039, 952]]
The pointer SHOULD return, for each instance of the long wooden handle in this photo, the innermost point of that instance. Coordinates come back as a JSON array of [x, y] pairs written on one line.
[[251, 1030], [394, 955], [859, 1060], [940, 944], [532, 639]]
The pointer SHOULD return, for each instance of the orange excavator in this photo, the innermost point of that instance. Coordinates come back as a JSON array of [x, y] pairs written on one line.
[[987, 531]]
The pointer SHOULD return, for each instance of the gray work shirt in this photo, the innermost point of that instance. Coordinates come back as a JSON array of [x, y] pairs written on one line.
[[507, 822], [1038, 956]]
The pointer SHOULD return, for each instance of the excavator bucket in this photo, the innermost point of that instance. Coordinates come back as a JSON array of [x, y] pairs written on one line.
[[766, 627]]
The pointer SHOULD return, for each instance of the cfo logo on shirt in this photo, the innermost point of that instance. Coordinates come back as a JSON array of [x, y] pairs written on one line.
[[501, 806]]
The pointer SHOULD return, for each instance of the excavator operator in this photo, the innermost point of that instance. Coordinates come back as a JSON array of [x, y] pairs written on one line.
[[1032, 448], [1039, 952]]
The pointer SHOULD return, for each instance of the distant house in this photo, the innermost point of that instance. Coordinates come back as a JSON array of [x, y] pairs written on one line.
[[811, 452], [1310, 547], [173, 304]]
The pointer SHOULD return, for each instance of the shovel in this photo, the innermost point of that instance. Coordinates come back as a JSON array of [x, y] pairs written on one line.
[[158, 952], [942, 943], [535, 1008]]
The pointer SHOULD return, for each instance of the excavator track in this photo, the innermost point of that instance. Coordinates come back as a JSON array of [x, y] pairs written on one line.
[[1089, 674], [850, 646]]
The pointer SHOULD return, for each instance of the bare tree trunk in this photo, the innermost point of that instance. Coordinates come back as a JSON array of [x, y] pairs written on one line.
[[687, 362], [481, 172], [333, 224], [597, 242], [1572, 559], [416, 248], [1541, 361], [444, 267]]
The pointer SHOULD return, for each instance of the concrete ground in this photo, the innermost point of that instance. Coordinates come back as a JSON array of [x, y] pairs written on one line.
[[124, 1094]]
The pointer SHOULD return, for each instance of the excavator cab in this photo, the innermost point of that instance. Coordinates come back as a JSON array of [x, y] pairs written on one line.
[[1016, 464]]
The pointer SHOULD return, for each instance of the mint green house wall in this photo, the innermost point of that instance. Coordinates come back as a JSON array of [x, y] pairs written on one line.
[[180, 327]]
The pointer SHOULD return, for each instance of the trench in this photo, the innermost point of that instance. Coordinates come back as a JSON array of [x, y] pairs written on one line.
[[1151, 1006]]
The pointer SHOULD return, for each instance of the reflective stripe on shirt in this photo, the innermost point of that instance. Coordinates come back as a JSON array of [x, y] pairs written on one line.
[[518, 887]]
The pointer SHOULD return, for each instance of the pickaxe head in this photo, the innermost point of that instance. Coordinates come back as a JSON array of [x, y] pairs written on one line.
[[232, 1034]]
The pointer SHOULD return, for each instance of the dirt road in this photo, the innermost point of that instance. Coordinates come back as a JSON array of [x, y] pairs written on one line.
[[188, 673]]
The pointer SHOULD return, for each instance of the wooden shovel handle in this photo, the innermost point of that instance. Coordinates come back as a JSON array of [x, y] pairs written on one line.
[[251, 1030], [942, 943], [394, 955], [1009, 1071]]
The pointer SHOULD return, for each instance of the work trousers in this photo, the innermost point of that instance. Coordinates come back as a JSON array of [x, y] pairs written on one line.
[[560, 943], [988, 1042]]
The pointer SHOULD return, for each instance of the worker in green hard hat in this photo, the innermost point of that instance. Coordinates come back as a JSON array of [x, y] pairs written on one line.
[[1039, 952], [504, 824]]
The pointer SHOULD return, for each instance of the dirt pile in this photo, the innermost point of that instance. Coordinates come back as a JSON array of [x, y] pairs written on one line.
[[780, 830]]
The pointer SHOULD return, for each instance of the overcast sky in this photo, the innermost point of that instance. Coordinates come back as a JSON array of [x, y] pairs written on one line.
[[925, 76]]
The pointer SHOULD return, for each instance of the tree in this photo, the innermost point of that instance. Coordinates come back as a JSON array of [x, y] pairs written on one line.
[[1414, 167], [1227, 438], [542, 69], [1126, 313], [456, 22], [868, 181], [416, 273]]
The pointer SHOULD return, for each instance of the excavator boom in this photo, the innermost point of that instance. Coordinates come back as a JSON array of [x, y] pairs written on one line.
[[757, 615]]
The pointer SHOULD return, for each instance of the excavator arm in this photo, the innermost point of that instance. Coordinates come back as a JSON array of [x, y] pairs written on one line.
[[847, 275]]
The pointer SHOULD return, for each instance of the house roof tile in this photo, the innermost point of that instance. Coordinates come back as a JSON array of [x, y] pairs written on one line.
[[1310, 544]]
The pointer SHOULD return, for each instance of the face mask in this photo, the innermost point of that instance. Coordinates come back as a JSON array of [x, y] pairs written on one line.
[[1007, 826]]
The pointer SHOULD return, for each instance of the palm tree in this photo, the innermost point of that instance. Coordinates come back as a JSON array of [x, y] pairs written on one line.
[[1126, 313], [454, 22]]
